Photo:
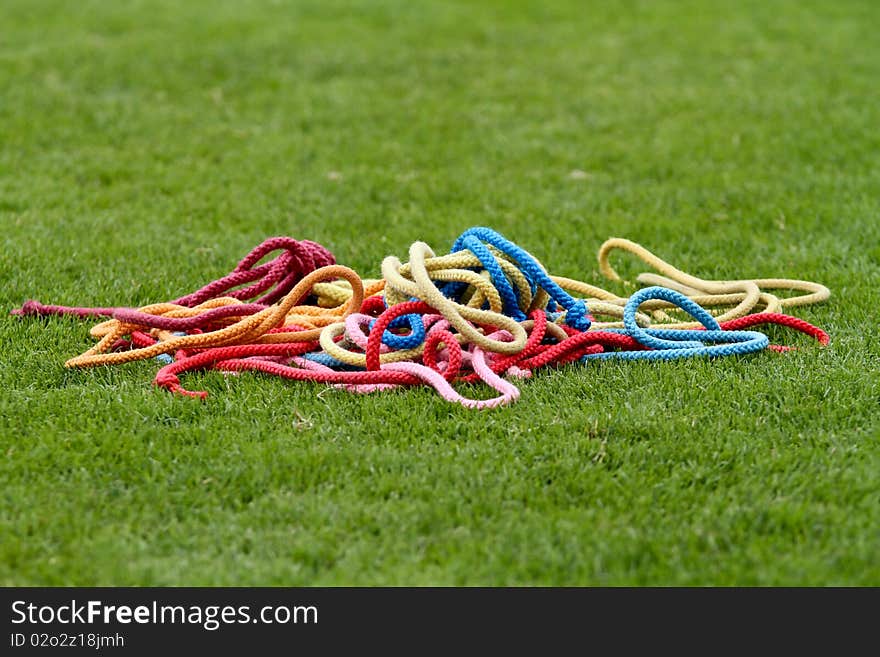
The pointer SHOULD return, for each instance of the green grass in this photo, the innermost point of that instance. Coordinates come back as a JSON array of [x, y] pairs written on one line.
[[146, 146]]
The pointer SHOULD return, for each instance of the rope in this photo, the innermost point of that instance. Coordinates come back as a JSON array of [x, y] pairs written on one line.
[[746, 294], [488, 311], [250, 328], [276, 278], [670, 344]]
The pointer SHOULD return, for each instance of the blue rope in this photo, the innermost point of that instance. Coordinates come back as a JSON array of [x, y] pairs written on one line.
[[576, 315], [671, 344], [409, 341], [510, 302], [415, 337], [166, 359], [329, 361]]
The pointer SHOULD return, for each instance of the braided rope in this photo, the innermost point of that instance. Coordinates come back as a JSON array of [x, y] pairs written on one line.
[[669, 344], [748, 294], [576, 312], [249, 328], [276, 278], [460, 316], [485, 311]]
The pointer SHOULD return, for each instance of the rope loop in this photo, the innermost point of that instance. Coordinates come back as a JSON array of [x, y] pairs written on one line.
[[678, 299]]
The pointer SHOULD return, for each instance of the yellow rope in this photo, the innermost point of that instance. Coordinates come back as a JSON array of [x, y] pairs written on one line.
[[422, 287], [745, 295]]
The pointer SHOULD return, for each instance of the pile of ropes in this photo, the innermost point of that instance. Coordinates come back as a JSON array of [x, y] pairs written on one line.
[[487, 311]]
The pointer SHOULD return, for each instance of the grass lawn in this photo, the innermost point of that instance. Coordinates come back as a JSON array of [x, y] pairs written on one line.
[[147, 146]]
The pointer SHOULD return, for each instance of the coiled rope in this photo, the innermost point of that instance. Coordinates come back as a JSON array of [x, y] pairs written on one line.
[[485, 311]]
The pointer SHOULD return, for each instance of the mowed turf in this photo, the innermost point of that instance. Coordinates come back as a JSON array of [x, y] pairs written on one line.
[[147, 146]]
